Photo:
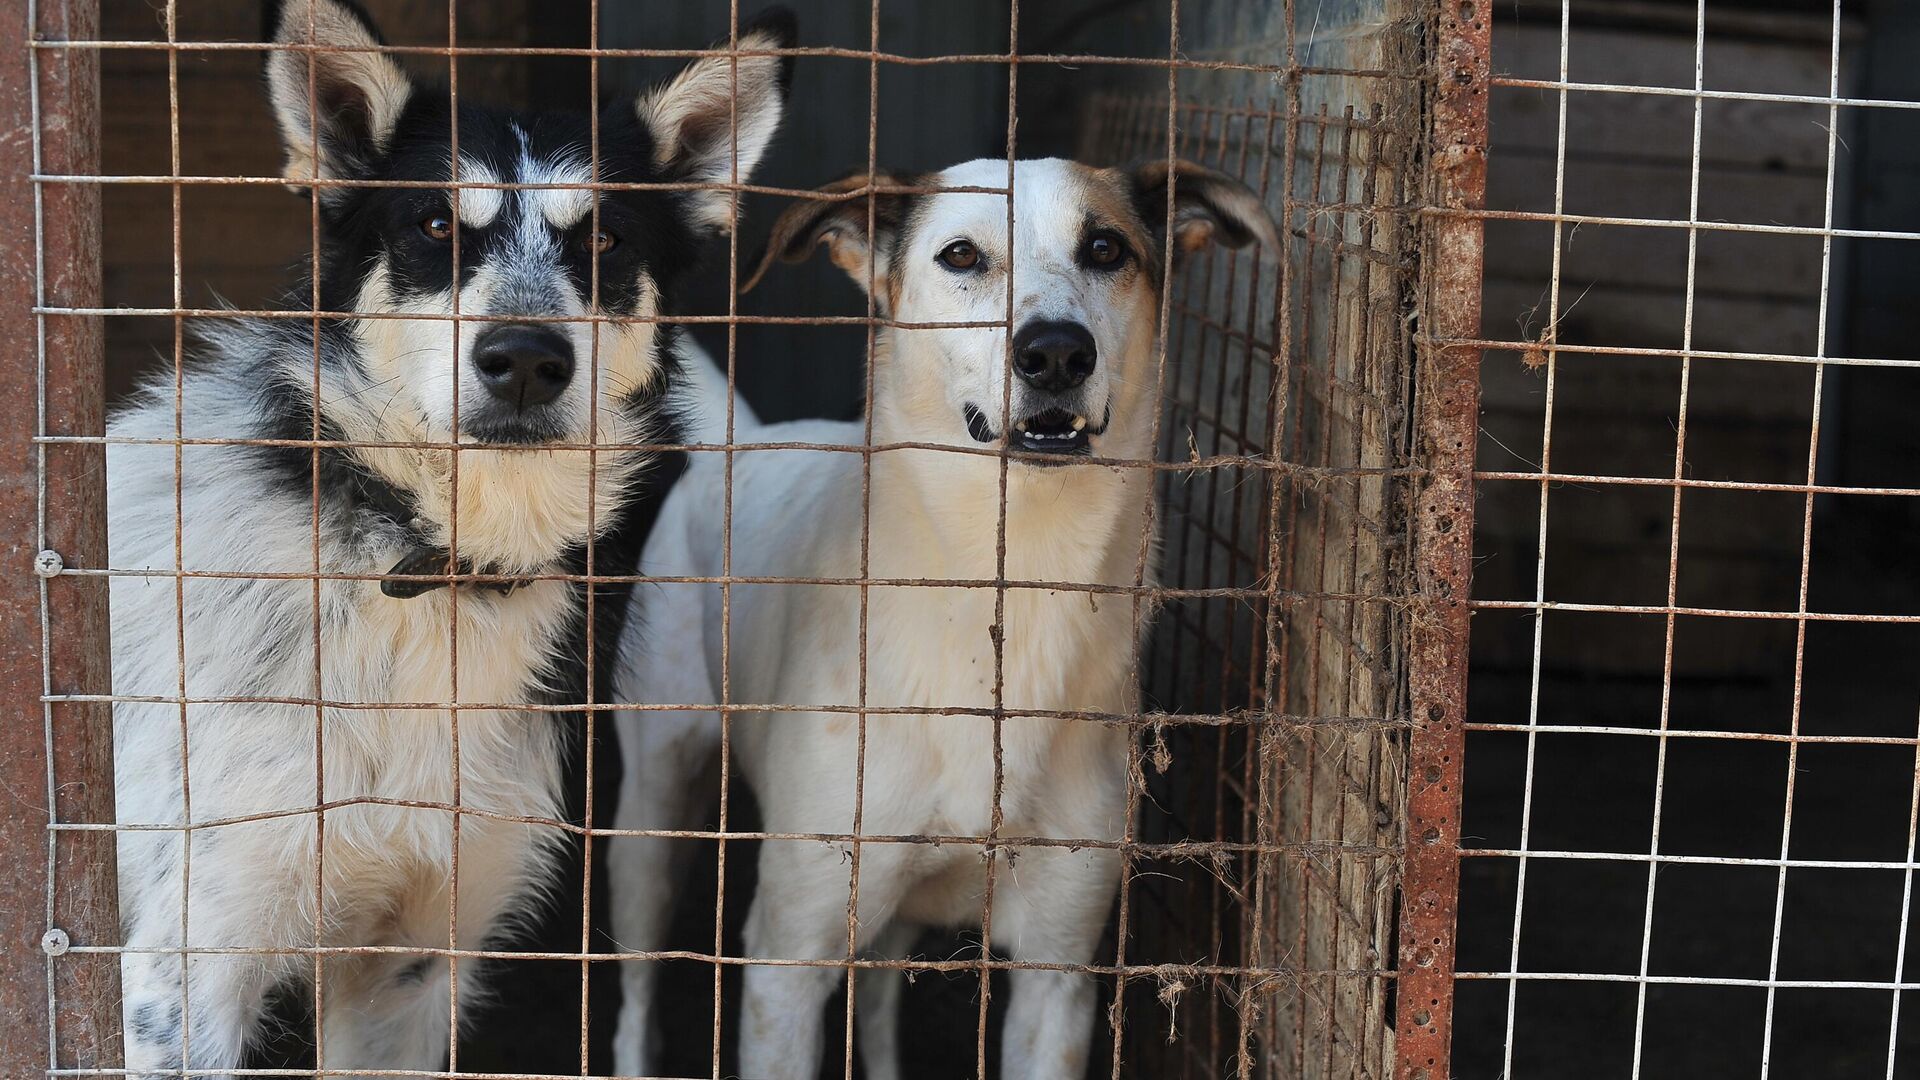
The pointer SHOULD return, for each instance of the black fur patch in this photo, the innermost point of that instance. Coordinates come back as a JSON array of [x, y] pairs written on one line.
[[363, 224], [155, 1024]]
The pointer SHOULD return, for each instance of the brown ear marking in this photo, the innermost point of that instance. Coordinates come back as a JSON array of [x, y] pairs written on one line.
[[1208, 206], [839, 221]]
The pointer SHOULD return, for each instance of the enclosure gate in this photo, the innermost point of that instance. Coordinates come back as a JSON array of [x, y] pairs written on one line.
[[1291, 888]]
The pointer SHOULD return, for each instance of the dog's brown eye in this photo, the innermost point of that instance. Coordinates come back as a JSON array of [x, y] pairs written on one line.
[[437, 228], [1105, 249], [961, 255], [601, 242]]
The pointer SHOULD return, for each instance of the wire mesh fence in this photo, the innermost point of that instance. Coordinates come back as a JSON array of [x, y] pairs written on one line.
[[1293, 734], [1337, 679], [1689, 242]]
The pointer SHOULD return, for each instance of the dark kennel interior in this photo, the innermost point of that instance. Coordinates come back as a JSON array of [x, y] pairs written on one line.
[[1262, 902], [1727, 911]]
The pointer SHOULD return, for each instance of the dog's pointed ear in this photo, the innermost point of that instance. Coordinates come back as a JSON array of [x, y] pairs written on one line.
[[693, 116], [336, 110], [1208, 207], [841, 224]]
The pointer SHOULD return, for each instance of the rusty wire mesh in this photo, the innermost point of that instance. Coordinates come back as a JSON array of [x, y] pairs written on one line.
[[1257, 929], [1312, 757], [1719, 162]]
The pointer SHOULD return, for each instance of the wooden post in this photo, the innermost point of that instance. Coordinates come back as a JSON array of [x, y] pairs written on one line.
[[59, 1001]]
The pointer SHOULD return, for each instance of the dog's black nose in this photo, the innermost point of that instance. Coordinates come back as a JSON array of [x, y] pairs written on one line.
[[1054, 356], [522, 365]]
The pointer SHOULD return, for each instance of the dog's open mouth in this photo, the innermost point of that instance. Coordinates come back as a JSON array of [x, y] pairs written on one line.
[[1049, 431]]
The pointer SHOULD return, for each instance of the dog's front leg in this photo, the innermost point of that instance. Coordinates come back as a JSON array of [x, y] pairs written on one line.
[[199, 1013], [388, 1011], [799, 912], [876, 1009], [393, 1010], [1054, 913], [666, 755], [207, 1028]]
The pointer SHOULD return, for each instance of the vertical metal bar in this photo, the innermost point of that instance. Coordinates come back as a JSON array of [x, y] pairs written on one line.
[[996, 816], [1906, 916], [58, 1009], [870, 357], [315, 626], [1673, 542], [1279, 538], [1446, 411], [1550, 335], [1220, 694], [1302, 822], [1333, 762], [726, 569], [590, 590], [187, 838], [1806, 561], [455, 797], [1241, 743]]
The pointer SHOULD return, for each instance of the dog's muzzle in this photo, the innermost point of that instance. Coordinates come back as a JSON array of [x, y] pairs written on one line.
[[1050, 429], [523, 366], [1053, 359], [1053, 356]]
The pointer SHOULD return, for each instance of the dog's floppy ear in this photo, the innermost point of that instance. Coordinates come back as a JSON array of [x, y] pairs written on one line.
[[1208, 207], [841, 224], [693, 115], [336, 110]]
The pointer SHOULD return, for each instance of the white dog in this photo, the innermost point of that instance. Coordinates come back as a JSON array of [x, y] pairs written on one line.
[[215, 917], [1086, 260]]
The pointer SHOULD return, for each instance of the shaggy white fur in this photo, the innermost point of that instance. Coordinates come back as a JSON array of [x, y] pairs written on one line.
[[319, 792]]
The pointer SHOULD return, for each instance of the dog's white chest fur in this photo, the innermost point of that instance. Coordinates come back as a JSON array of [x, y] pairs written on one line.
[[922, 771], [256, 638], [927, 647]]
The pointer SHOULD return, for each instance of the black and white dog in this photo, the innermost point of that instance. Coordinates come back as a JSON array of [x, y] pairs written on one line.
[[302, 693]]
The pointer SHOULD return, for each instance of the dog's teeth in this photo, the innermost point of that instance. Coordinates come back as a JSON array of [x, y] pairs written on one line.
[[1022, 426], [1079, 422]]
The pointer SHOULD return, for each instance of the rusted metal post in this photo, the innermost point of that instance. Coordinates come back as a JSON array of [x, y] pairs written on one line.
[[1446, 423], [58, 1008]]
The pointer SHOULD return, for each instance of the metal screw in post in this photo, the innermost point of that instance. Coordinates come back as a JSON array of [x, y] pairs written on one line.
[[48, 563], [55, 942]]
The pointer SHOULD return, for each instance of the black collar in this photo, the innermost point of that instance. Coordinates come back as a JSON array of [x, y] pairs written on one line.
[[423, 566]]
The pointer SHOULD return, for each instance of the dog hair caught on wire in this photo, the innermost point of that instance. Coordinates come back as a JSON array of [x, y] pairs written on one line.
[[291, 786]]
